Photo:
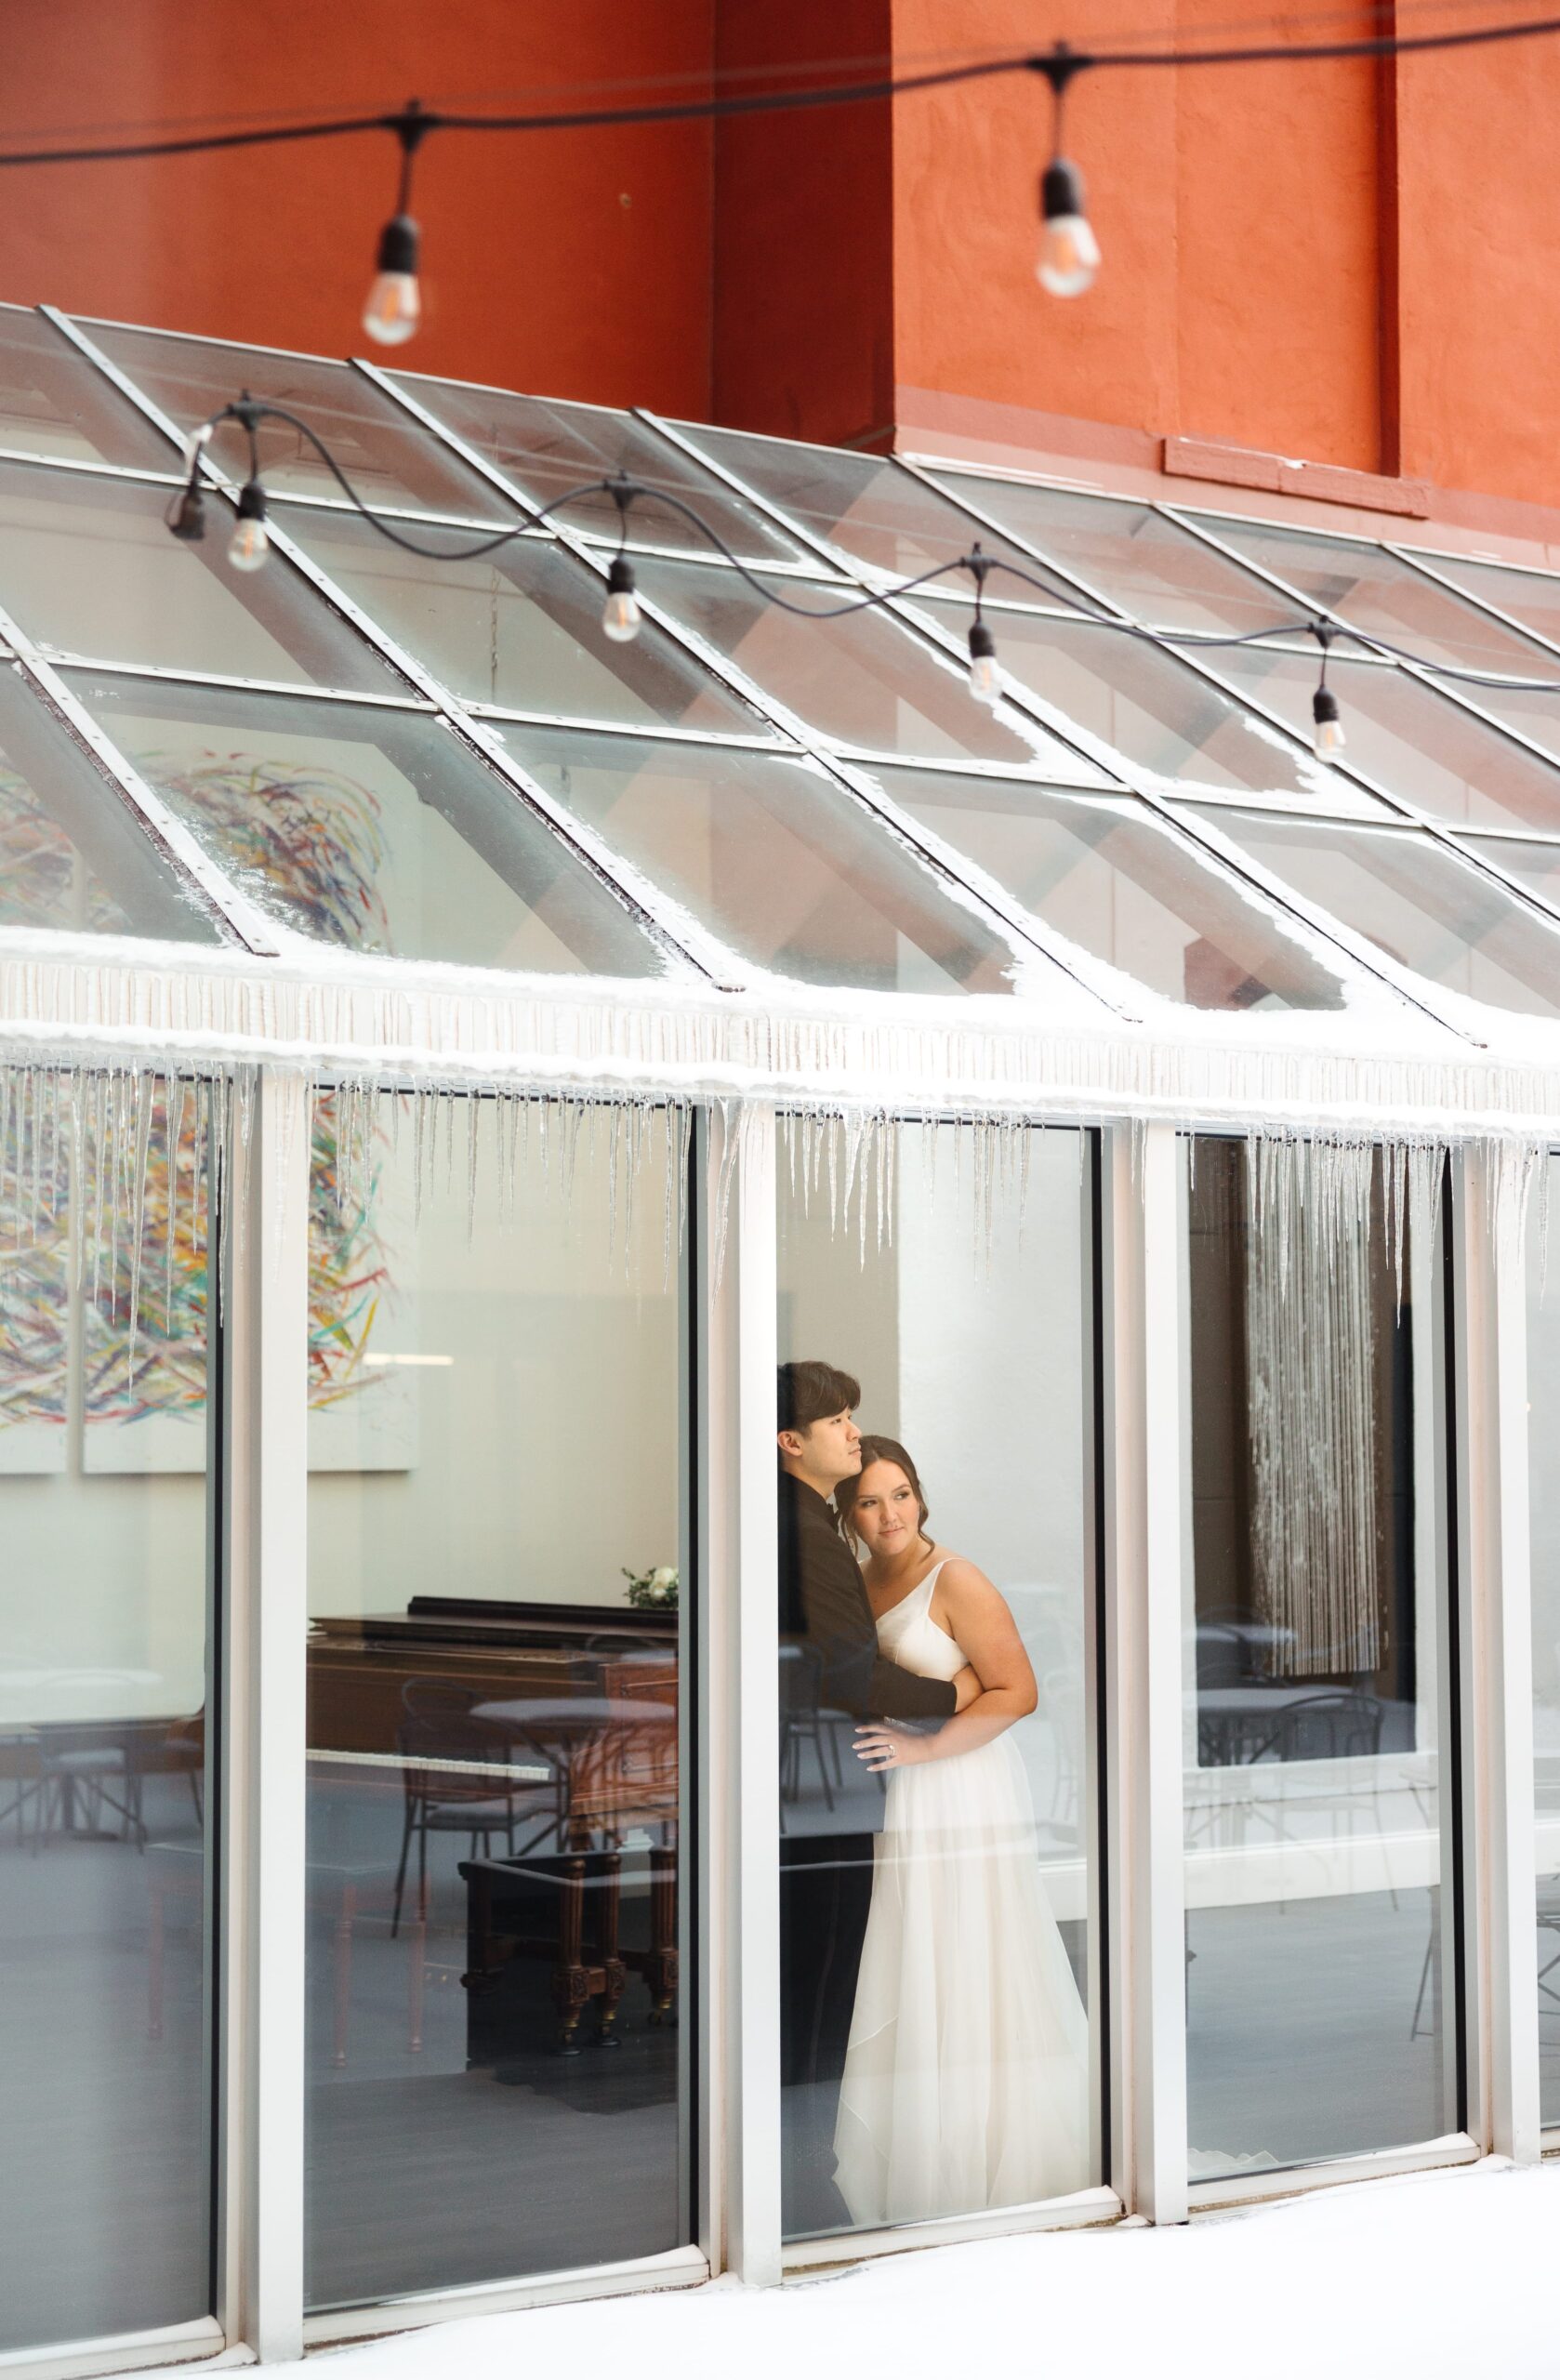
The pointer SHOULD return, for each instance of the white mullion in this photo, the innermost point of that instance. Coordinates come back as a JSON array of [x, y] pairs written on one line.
[[265, 1735], [1141, 1354], [1498, 1697], [741, 1793]]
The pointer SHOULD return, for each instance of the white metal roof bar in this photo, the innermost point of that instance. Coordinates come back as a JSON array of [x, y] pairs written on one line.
[[1137, 781], [658, 730], [73, 661], [247, 924], [1108, 606], [779, 716], [90, 468], [642, 901], [189, 339]]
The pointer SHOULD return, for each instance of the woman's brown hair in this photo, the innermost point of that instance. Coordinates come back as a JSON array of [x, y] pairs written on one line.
[[880, 1451]]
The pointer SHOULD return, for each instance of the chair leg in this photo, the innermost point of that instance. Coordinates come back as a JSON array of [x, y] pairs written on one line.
[[401, 1870]]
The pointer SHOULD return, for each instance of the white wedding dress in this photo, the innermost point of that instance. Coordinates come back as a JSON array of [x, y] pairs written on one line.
[[966, 2078]]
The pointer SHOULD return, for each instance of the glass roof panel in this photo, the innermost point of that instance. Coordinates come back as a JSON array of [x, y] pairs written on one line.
[[866, 505], [1373, 591], [72, 858], [545, 449], [373, 830], [1115, 879], [1532, 713], [1535, 865], [1410, 739], [54, 402], [389, 459], [862, 677], [1139, 559], [88, 566], [1151, 707], [1415, 901], [521, 628], [1531, 596], [781, 865]]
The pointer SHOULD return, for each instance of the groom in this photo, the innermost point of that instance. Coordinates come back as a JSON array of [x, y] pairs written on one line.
[[825, 1880]]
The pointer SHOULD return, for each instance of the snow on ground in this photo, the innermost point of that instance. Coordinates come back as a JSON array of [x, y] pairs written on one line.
[[1431, 2274]]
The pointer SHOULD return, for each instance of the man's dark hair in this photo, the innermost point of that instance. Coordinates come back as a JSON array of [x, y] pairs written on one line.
[[812, 1392]]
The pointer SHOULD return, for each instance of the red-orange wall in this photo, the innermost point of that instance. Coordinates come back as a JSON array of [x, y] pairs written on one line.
[[1345, 262]]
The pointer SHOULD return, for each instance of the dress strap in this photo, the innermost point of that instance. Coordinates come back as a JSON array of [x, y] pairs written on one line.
[[924, 1589]]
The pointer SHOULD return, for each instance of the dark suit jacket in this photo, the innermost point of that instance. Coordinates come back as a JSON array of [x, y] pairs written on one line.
[[824, 1605]]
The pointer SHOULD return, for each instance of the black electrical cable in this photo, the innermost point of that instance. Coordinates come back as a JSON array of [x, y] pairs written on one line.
[[772, 102], [250, 412]]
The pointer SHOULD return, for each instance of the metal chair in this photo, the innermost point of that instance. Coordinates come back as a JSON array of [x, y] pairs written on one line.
[[435, 1739], [801, 1722]]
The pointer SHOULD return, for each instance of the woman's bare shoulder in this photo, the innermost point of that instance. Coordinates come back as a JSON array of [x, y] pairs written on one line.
[[963, 1581]]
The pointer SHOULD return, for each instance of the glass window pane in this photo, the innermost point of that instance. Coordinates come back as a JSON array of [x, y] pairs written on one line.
[[88, 566], [1543, 1472], [373, 830], [521, 628], [390, 460], [1535, 865], [106, 1958], [545, 449], [72, 859], [867, 506], [1126, 889], [1373, 591], [783, 867], [498, 2077], [54, 402], [1157, 713], [861, 679], [1416, 901], [939, 1954], [1151, 566], [1320, 1877], [1410, 739], [1530, 597]]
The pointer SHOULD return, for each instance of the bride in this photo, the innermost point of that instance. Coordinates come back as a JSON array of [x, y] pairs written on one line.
[[966, 2077]]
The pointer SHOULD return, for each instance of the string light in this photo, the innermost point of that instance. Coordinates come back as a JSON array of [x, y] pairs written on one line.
[[394, 307], [1329, 737], [622, 617], [1069, 254]]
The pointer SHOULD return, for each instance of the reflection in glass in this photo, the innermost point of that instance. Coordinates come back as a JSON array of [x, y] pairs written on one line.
[[1154, 569], [866, 505], [105, 1956], [783, 866], [1416, 901], [939, 1958], [54, 402], [862, 677], [1410, 739], [1110, 877], [389, 457], [545, 449], [1543, 1472], [1529, 596], [371, 829], [1157, 713], [71, 858], [1319, 1873], [1373, 591], [496, 2068], [522, 628], [88, 566]]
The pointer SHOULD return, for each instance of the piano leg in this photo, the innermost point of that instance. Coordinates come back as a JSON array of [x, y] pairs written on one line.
[[615, 1975], [661, 1967], [571, 1985]]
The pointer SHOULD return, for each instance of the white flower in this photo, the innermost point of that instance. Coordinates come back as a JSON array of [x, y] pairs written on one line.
[[663, 1579]]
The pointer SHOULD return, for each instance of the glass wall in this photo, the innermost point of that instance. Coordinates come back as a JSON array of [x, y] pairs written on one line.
[[496, 2069], [105, 1958], [939, 1958], [1543, 1423], [1321, 1950]]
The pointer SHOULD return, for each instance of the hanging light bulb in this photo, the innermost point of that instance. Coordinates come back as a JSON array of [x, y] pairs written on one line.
[[1069, 254], [249, 544], [1330, 736], [394, 307], [985, 675], [621, 619]]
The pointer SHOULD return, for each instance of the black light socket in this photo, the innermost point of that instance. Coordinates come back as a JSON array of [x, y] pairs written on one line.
[[1060, 189], [620, 576], [982, 644], [188, 518], [1323, 706], [398, 246]]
